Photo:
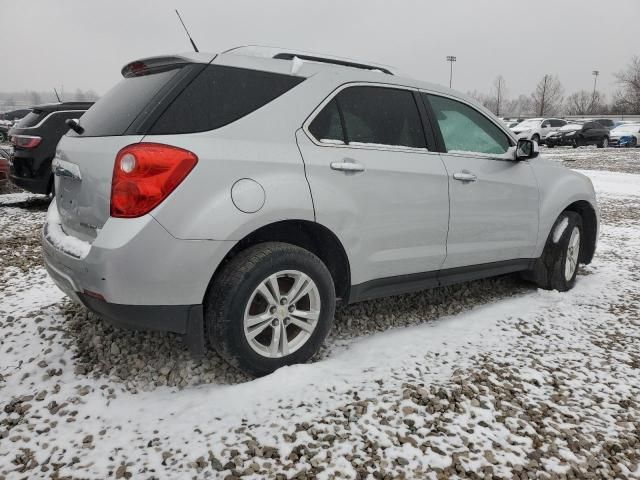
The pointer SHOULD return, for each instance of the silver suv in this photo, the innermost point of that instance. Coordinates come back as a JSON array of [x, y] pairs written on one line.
[[236, 197]]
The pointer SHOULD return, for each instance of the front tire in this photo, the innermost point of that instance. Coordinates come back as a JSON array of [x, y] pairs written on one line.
[[557, 267], [271, 305], [536, 138], [604, 143]]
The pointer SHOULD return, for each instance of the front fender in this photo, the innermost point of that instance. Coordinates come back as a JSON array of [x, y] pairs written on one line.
[[560, 189]]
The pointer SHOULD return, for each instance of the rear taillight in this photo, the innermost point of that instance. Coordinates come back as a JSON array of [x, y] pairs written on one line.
[[25, 141], [144, 175]]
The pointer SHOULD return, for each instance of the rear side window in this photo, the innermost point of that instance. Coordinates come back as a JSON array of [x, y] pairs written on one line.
[[32, 119], [381, 116], [465, 130], [221, 95], [118, 108], [327, 127]]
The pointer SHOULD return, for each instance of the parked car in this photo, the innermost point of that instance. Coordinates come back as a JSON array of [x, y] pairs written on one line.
[[538, 128], [578, 135], [4, 168], [255, 188], [4, 133], [34, 140], [625, 135], [15, 115]]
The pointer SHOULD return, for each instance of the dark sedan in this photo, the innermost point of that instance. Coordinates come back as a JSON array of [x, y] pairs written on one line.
[[591, 133]]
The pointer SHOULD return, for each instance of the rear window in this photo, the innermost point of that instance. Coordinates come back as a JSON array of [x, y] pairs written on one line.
[[118, 108], [221, 95], [32, 119]]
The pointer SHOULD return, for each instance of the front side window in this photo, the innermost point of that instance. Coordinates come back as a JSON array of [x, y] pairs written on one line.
[[465, 130], [380, 116]]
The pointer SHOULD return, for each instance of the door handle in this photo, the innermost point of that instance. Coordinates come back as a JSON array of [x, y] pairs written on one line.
[[347, 165], [465, 176]]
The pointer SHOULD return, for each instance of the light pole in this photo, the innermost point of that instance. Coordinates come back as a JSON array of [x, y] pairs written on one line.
[[450, 59], [595, 74]]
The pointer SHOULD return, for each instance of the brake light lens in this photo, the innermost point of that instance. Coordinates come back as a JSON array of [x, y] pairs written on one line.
[[145, 174], [25, 141]]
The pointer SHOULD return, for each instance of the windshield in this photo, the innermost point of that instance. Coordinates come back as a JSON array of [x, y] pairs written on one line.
[[528, 124], [571, 126]]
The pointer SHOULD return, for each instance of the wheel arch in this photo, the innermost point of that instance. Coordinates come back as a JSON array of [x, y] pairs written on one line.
[[589, 228], [306, 234]]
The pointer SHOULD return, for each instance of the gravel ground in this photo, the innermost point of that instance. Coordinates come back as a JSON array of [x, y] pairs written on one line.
[[513, 383]]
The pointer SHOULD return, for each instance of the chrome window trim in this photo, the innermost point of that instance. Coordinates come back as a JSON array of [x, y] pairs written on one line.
[[39, 124], [333, 94]]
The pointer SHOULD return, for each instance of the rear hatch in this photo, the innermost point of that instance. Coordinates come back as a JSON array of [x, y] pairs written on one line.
[[84, 161]]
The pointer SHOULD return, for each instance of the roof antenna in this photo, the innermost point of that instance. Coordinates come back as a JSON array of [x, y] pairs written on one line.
[[187, 31], [57, 96]]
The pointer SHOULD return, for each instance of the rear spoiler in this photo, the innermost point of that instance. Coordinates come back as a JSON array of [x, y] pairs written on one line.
[[142, 66]]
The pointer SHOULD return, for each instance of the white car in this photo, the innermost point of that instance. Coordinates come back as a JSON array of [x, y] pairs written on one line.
[[538, 128], [625, 135]]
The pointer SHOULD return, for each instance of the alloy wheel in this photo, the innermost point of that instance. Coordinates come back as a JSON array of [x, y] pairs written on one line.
[[282, 313], [573, 253]]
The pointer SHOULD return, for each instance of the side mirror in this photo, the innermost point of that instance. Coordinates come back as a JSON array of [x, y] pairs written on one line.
[[527, 149]]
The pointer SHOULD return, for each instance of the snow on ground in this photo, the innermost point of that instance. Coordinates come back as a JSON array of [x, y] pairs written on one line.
[[490, 378]]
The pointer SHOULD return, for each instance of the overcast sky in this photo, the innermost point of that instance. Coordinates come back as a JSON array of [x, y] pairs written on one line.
[[83, 44]]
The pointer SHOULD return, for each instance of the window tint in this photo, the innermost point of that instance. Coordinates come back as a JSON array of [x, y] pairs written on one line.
[[115, 111], [558, 123], [221, 95], [464, 129], [33, 118], [382, 116], [327, 127]]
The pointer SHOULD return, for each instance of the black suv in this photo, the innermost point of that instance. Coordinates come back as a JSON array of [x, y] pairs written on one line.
[[34, 140]]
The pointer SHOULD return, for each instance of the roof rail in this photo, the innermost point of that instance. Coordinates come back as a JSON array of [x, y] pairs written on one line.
[[332, 61], [289, 54]]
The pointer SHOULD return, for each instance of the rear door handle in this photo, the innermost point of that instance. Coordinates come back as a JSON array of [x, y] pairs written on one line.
[[347, 165], [465, 176]]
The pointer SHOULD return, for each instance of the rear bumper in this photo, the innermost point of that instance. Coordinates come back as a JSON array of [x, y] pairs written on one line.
[[163, 318], [148, 279]]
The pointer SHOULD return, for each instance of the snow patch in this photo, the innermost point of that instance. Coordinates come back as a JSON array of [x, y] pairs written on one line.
[[296, 65], [53, 233], [562, 226]]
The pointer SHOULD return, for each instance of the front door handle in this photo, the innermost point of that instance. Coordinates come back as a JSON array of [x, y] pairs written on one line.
[[347, 165], [465, 176]]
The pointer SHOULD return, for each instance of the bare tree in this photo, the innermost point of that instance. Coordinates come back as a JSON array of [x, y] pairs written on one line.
[[548, 95], [629, 80], [517, 107], [585, 103]]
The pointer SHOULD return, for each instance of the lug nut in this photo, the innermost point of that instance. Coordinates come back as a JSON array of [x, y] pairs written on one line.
[[275, 322], [283, 301], [291, 308], [273, 310], [286, 321]]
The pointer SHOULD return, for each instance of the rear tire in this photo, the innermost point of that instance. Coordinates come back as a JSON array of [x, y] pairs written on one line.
[[536, 138], [557, 267], [253, 293]]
